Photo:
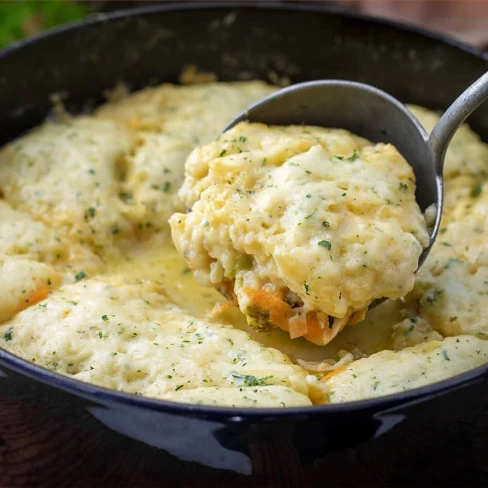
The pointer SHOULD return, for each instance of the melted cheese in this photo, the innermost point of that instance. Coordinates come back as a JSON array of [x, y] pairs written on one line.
[[154, 175], [275, 396], [390, 372], [66, 175], [130, 337], [69, 274], [196, 114], [20, 235]]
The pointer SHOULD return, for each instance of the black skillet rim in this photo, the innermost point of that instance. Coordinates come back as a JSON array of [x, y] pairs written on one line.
[[238, 414]]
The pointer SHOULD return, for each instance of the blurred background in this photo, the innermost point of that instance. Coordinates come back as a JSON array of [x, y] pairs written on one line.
[[466, 20]]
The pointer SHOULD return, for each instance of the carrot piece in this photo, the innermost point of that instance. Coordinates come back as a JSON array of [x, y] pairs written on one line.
[[226, 288], [279, 311], [220, 308], [297, 326], [357, 317], [335, 371], [316, 332], [36, 297], [321, 334]]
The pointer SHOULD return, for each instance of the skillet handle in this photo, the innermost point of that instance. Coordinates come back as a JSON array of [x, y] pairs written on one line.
[[454, 116]]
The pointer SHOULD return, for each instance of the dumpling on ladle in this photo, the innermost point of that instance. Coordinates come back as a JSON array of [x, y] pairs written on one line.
[[302, 227]]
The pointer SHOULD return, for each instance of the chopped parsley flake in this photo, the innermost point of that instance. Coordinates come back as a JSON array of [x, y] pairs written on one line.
[[104, 318], [242, 139], [179, 387], [476, 191], [325, 244], [306, 287], [79, 276], [222, 153], [100, 335], [311, 215], [165, 188], [355, 155], [250, 380], [445, 356], [8, 334], [403, 187], [434, 294], [92, 211]]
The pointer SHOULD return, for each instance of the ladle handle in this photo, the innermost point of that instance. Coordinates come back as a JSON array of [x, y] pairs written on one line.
[[454, 116]]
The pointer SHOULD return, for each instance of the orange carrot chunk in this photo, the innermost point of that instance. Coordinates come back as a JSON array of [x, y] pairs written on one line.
[[36, 297]]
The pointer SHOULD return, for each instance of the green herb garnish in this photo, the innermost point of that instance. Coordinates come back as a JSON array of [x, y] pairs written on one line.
[[355, 155], [311, 214], [250, 380], [8, 334], [325, 244], [79, 276], [476, 191]]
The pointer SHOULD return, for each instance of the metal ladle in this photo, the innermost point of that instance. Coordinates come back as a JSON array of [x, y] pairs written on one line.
[[371, 113]]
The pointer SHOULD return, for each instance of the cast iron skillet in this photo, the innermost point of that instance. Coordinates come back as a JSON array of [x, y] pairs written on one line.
[[238, 41]]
